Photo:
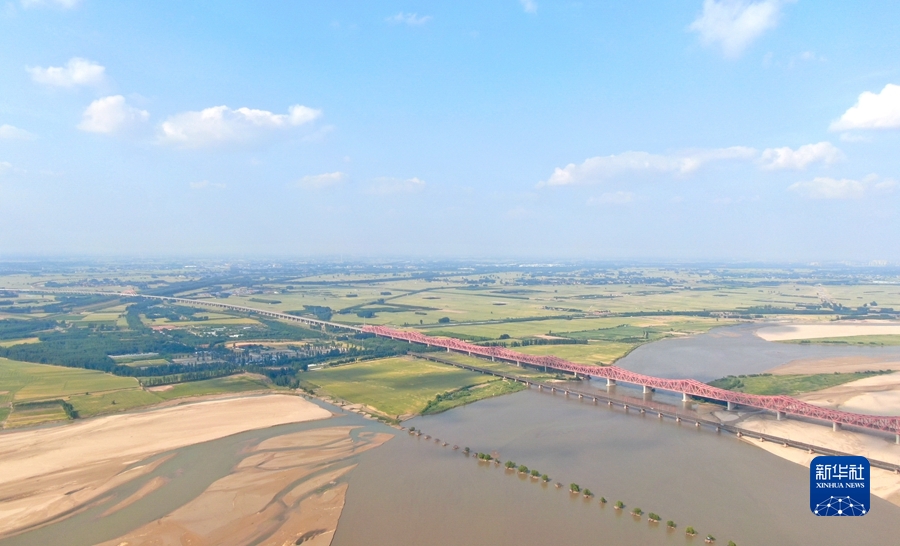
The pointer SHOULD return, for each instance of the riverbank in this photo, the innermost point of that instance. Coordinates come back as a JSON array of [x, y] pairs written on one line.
[[52, 473]]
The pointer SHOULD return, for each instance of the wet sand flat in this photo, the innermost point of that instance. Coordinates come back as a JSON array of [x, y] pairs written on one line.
[[790, 332], [54, 472]]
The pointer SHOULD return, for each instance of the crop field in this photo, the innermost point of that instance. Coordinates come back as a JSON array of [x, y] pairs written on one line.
[[395, 387]]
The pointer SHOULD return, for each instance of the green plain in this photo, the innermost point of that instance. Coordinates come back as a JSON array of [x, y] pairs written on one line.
[[395, 387], [788, 384]]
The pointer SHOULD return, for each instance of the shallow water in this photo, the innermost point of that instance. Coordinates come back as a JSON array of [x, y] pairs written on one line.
[[412, 491], [731, 351]]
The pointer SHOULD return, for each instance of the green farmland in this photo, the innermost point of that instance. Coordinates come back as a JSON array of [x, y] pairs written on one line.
[[395, 387]]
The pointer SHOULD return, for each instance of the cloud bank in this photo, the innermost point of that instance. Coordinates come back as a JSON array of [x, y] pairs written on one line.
[[110, 115], [802, 157], [598, 169], [221, 124], [8, 132], [76, 72], [734, 24], [872, 111]]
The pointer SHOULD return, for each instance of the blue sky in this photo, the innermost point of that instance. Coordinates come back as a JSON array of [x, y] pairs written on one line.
[[716, 129]]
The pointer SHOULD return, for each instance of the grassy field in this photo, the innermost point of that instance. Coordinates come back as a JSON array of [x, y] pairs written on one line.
[[888, 340], [89, 405], [787, 384], [221, 385], [11, 342], [93, 393], [27, 381], [502, 367], [467, 395], [393, 386]]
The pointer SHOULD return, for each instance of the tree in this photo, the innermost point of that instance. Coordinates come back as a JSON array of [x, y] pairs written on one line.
[[466, 451], [619, 505], [535, 474], [710, 538], [690, 531], [545, 478], [671, 524], [731, 543], [602, 500], [637, 512], [587, 492], [574, 487], [653, 517], [510, 464], [444, 320], [523, 469]]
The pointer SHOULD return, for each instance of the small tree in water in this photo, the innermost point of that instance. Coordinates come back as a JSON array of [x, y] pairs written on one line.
[[619, 505], [546, 478], [671, 524], [523, 469], [510, 464], [690, 531], [574, 488]]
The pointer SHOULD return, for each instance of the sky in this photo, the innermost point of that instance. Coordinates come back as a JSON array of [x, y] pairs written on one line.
[[694, 130]]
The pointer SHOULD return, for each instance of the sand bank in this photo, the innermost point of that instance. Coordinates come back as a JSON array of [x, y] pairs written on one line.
[[878, 395], [885, 484], [54, 471], [287, 490], [839, 364], [842, 328]]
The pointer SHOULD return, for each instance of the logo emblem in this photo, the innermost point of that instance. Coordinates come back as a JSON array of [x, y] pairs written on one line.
[[839, 486]]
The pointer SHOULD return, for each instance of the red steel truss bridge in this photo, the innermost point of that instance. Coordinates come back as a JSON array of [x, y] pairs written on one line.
[[781, 405]]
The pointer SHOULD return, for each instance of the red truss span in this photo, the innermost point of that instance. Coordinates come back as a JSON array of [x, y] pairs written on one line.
[[783, 404]]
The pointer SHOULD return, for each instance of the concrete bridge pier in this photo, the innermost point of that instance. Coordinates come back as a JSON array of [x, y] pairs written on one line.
[[779, 416], [730, 406], [610, 382], [448, 349], [647, 389], [835, 426], [685, 397], [897, 438], [492, 359]]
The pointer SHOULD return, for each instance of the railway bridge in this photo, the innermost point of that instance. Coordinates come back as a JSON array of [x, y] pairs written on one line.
[[780, 405]]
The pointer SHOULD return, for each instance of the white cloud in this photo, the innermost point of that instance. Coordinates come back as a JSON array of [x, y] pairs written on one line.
[[735, 24], [65, 4], [5, 167], [8, 132], [799, 159], [111, 114], [530, 6], [597, 169], [319, 181], [411, 19], [77, 71], [205, 185], [386, 185], [830, 188], [612, 198], [873, 111], [222, 124]]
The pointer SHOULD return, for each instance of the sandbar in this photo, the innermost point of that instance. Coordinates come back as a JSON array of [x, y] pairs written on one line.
[[789, 332]]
